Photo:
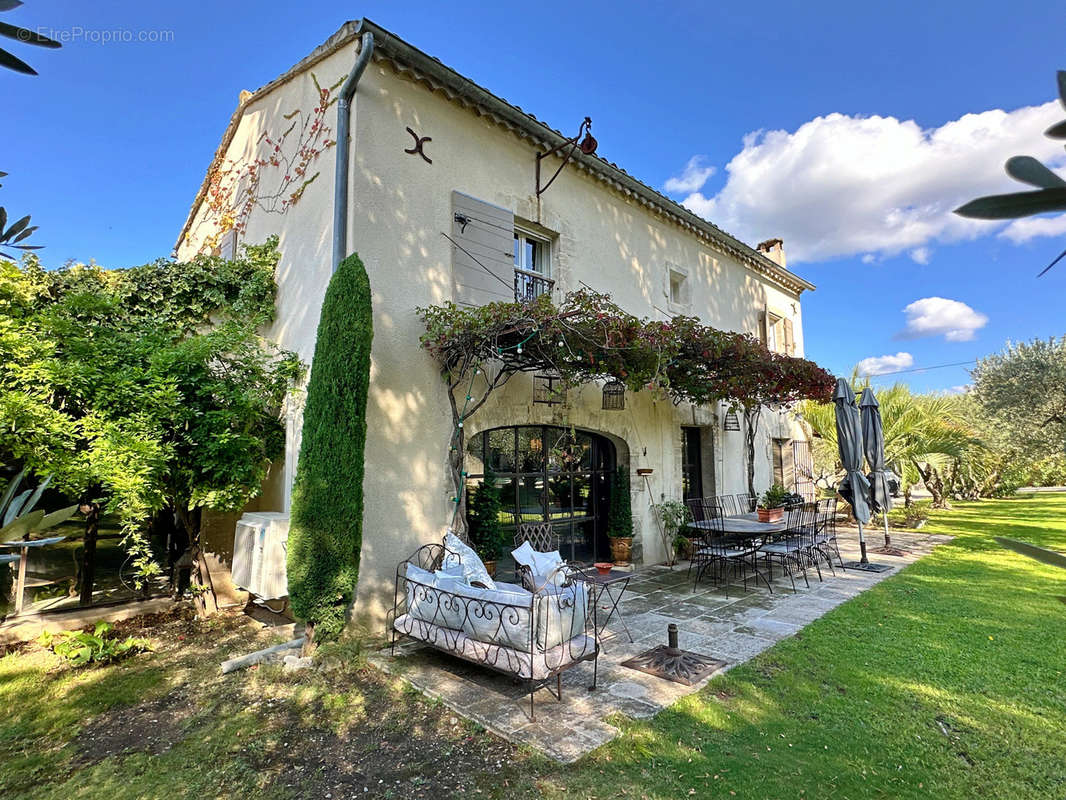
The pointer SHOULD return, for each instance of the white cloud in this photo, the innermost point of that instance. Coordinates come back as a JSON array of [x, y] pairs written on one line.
[[846, 185], [692, 177], [880, 365], [869, 258], [960, 389], [921, 255], [1022, 230], [935, 316]]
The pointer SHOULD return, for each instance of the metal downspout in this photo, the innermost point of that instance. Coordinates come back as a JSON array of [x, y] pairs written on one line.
[[340, 179]]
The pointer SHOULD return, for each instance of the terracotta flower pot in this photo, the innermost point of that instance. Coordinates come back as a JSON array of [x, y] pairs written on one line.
[[620, 549], [770, 514], [490, 567]]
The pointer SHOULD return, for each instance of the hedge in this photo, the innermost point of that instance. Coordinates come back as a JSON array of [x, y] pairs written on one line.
[[326, 529]]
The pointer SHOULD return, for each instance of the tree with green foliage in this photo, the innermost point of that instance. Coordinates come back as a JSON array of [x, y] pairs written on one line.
[[923, 434], [620, 514], [326, 529], [1022, 391], [145, 392]]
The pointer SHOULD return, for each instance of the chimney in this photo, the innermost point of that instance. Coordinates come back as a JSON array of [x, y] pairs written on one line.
[[773, 249]]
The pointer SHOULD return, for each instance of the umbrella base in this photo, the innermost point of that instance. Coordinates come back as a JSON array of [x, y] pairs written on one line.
[[890, 551], [867, 566]]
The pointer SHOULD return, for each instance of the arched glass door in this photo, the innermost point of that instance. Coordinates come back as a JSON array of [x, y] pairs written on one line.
[[553, 474]]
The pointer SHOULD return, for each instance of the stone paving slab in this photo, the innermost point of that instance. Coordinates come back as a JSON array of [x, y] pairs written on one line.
[[724, 623]]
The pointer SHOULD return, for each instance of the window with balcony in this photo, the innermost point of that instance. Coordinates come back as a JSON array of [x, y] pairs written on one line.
[[532, 266]]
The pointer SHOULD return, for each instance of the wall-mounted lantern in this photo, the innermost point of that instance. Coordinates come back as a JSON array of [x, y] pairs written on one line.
[[614, 396]]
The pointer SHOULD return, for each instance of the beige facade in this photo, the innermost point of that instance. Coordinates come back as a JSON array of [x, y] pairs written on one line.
[[598, 234]]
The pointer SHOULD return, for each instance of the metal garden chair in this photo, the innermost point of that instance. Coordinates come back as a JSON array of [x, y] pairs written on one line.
[[718, 551], [790, 547]]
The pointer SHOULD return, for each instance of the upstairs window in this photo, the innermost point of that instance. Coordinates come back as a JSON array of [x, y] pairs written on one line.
[[678, 288], [532, 266], [777, 334]]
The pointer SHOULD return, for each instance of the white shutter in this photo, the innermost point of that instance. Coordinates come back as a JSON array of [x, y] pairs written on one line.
[[482, 253]]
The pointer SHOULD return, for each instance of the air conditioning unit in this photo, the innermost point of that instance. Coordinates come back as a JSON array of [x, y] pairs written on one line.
[[260, 545]]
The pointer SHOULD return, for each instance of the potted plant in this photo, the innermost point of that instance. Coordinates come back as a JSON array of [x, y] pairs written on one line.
[[483, 522], [620, 517], [673, 514], [682, 547], [771, 507]]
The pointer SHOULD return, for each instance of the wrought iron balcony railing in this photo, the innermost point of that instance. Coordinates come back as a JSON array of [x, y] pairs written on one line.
[[528, 286]]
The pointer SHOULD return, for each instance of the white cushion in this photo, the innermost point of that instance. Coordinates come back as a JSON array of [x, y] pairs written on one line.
[[430, 598], [459, 553], [538, 665], [449, 575], [539, 563]]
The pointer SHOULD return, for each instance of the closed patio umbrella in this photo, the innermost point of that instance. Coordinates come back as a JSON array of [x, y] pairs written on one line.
[[854, 487], [873, 437]]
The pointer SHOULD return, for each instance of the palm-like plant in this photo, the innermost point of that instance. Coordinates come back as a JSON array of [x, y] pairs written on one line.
[[923, 434], [24, 35]]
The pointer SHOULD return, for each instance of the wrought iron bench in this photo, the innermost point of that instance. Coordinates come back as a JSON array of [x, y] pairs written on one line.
[[532, 636]]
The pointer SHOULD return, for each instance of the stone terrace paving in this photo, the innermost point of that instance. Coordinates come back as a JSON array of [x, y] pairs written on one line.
[[732, 629]]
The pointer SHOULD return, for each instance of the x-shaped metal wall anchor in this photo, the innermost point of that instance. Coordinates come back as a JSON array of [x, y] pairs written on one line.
[[419, 142]]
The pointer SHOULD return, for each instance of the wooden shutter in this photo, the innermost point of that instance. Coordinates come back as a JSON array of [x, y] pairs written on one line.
[[764, 326], [784, 463], [482, 253], [790, 344], [788, 462]]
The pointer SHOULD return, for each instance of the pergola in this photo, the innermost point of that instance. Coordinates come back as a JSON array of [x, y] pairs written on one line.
[[587, 338]]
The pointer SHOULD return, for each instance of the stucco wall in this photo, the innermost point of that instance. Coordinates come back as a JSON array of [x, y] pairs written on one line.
[[400, 207]]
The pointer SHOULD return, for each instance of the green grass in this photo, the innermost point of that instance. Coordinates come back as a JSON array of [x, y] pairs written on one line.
[[944, 681]]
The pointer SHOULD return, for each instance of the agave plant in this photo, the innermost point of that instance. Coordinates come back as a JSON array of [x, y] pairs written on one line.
[[1050, 194], [1043, 555], [23, 35], [11, 235], [18, 515]]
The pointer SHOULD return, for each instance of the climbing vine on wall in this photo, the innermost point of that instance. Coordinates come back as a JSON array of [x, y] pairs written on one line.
[[588, 337], [278, 174]]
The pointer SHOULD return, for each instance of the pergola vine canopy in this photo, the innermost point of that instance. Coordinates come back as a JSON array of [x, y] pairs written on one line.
[[589, 337]]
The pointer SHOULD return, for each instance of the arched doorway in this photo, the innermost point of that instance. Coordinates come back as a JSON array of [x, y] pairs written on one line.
[[553, 474]]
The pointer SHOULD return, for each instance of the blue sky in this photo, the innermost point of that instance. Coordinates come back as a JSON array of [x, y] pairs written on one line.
[[842, 127]]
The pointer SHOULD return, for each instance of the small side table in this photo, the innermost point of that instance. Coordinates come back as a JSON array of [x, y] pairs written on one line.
[[614, 585], [23, 556]]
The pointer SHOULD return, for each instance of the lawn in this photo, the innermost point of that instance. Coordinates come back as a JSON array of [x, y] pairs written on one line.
[[944, 681]]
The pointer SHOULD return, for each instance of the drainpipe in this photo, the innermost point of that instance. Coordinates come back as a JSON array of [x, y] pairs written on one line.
[[340, 179]]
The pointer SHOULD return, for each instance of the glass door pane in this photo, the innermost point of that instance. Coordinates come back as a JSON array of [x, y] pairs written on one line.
[[530, 498], [560, 502]]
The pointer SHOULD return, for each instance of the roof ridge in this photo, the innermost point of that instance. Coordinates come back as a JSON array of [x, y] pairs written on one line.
[[391, 47]]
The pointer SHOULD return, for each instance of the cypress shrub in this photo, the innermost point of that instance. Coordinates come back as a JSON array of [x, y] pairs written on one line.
[[620, 515], [483, 519], [326, 527]]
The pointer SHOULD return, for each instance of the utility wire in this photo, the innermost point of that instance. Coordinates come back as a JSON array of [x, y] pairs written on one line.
[[476, 260], [920, 369]]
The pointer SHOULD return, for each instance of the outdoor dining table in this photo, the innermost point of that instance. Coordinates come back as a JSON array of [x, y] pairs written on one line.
[[23, 556], [746, 525]]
